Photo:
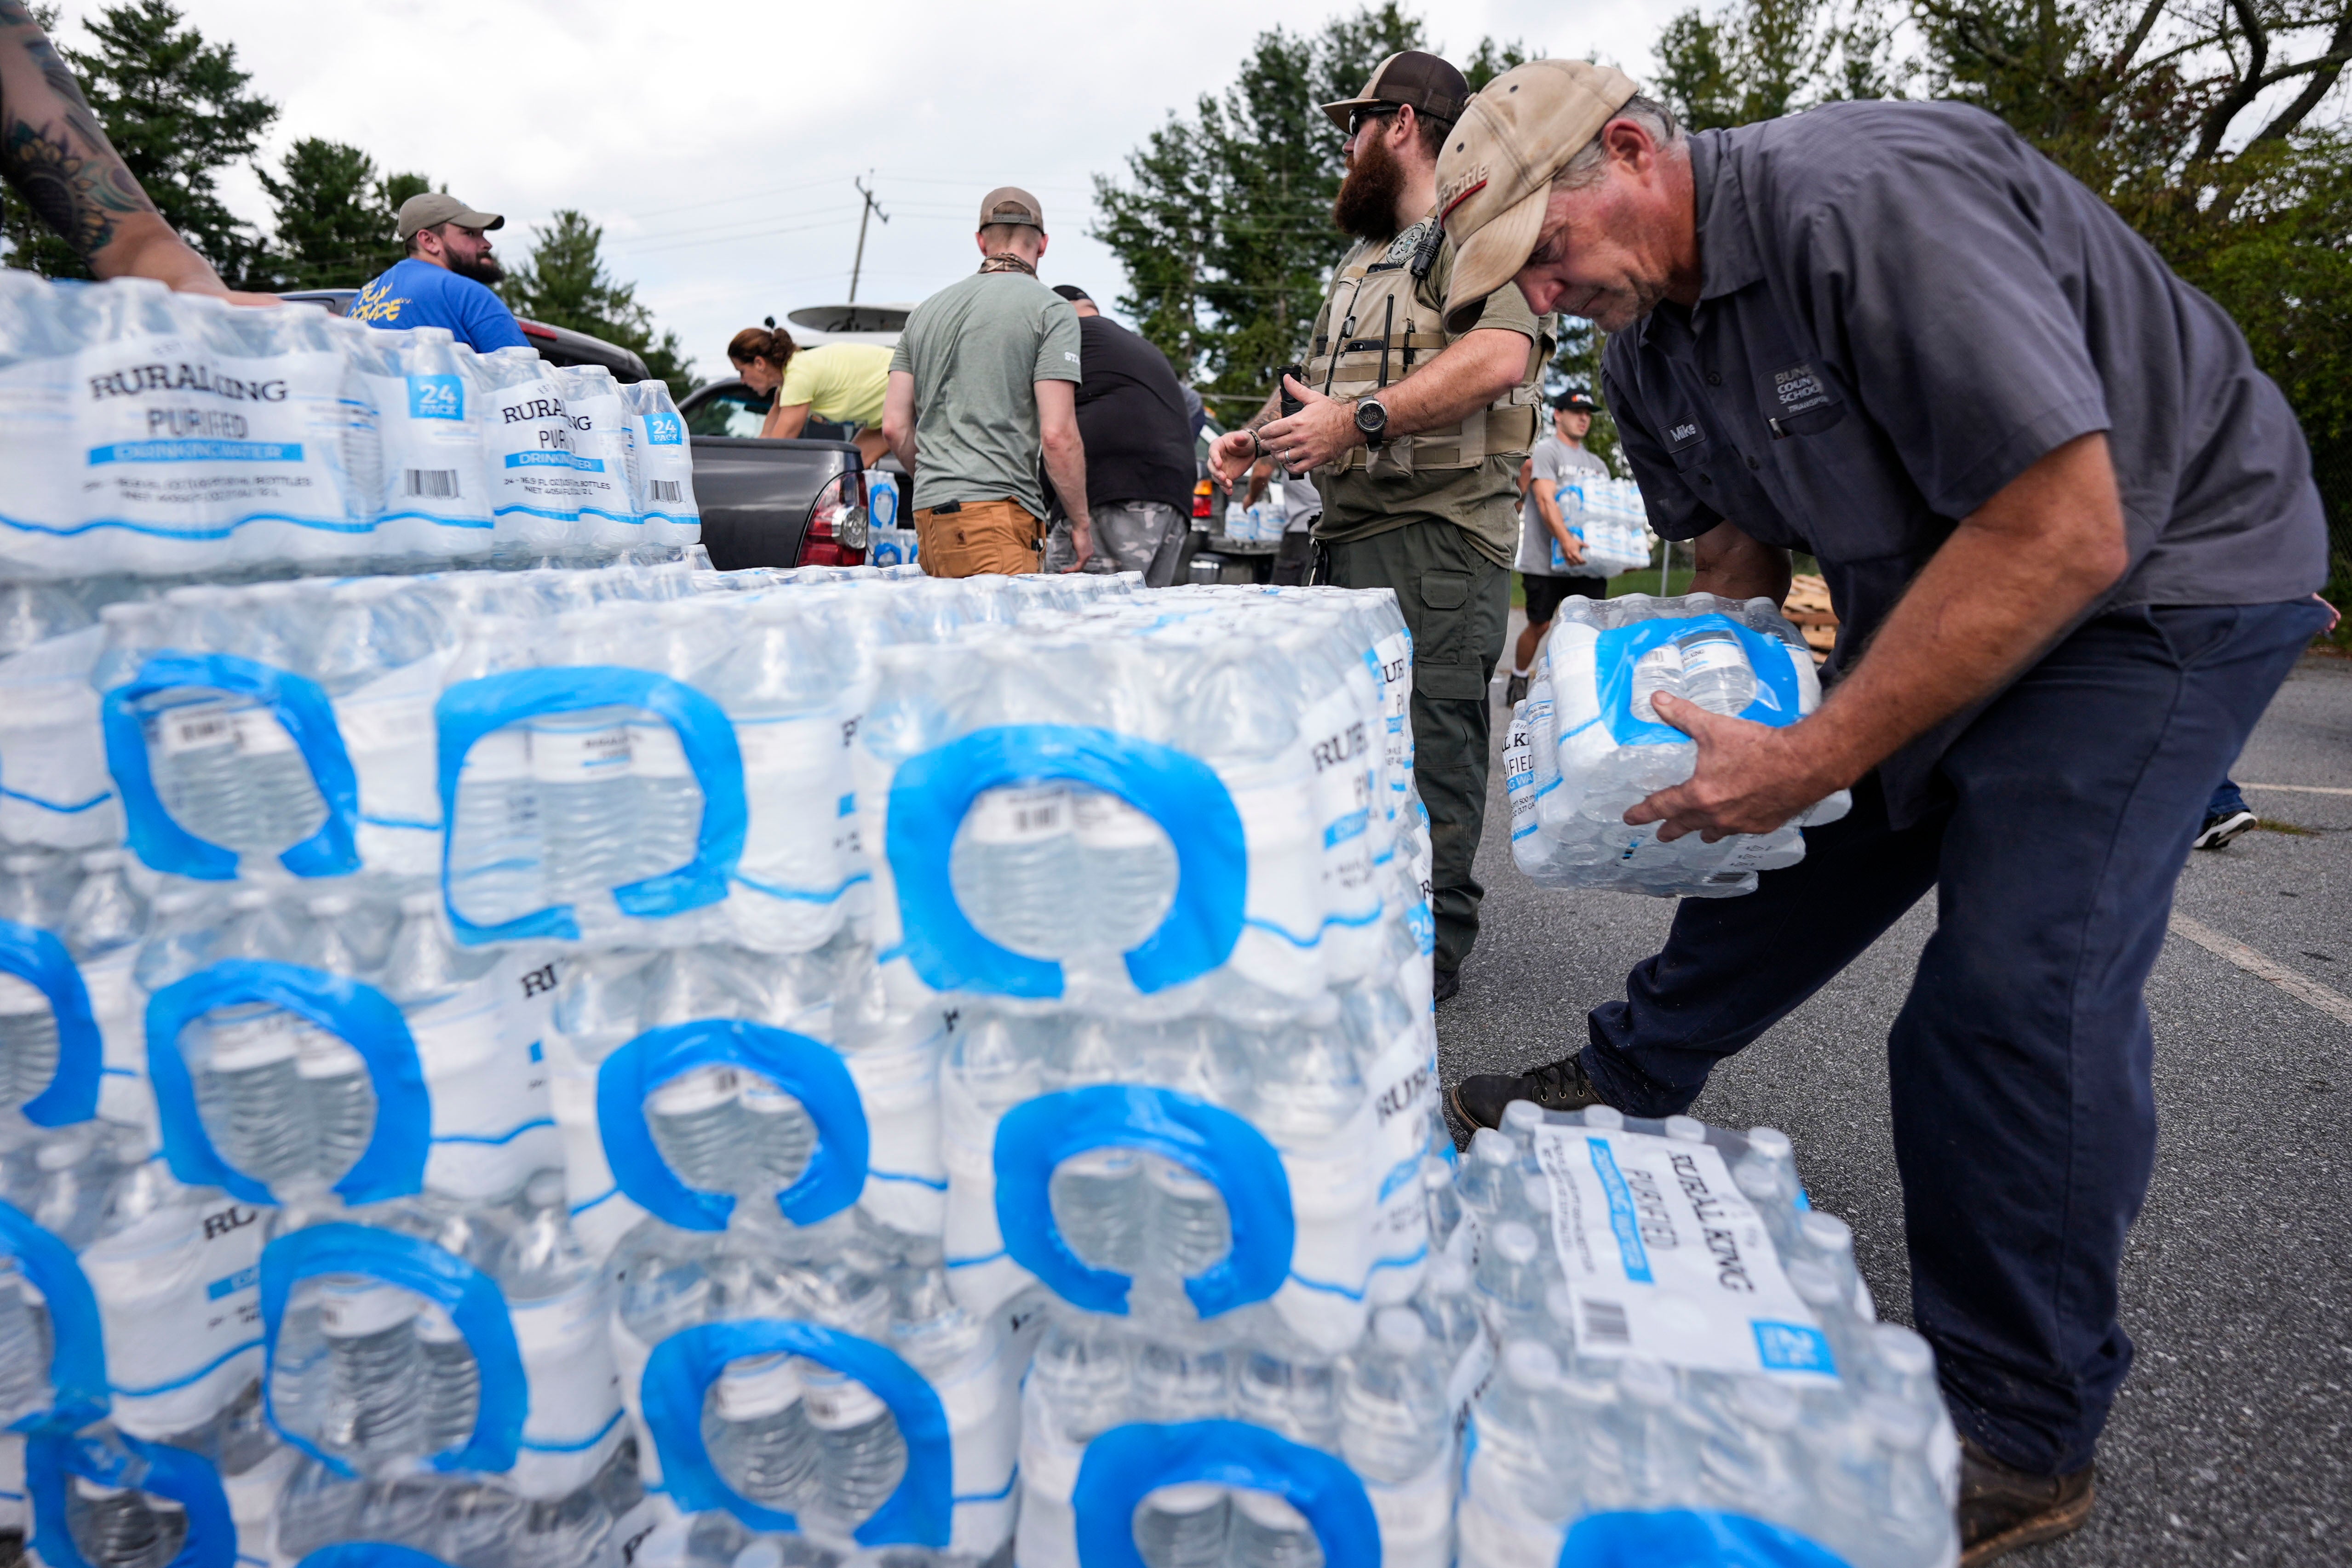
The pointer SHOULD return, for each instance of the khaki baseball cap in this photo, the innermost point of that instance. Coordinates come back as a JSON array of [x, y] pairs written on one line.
[[435, 208], [1011, 205], [1494, 174], [1435, 89]]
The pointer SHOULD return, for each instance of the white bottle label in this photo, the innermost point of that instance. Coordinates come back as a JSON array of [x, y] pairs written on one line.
[[19, 998], [1024, 815], [655, 752], [573, 754], [1667, 1260], [241, 1044], [356, 1309], [836, 1404], [700, 1089], [757, 1387], [196, 727], [1104, 821]]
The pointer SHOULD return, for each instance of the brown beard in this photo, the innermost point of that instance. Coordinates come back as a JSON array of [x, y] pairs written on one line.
[[1366, 203], [482, 269]]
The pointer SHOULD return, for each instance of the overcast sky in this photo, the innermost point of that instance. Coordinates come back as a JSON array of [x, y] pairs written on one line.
[[716, 140]]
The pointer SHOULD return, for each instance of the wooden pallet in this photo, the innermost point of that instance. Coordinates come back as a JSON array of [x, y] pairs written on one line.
[[1807, 609]]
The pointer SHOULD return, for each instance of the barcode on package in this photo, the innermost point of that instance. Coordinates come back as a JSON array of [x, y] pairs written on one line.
[[665, 490], [431, 483], [1604, 1322]]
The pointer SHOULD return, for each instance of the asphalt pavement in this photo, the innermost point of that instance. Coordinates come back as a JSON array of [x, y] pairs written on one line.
[[2231, 1442]]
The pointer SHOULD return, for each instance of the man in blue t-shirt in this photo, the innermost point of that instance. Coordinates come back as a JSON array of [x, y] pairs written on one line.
[[444, 281]]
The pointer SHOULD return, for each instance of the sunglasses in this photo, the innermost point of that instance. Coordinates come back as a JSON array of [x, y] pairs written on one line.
[[1369, 112]]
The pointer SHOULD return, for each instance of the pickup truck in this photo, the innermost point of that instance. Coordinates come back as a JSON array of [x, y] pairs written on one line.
[[804, 502]]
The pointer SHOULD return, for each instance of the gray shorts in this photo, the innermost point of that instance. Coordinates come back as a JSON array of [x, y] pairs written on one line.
[[1130, 536]]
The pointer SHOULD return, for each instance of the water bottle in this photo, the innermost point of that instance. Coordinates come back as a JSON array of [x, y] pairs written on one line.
[[579, 762], [861, 1455], [758, 1432], [253, 1095], [453, 1381], [1511, 1280], [497, 850], [557, 1300], [1715, 672], [696, 1123], [122, 1527], [1014, 863], [29, 1041], [24, 1380], [1394, 1419], [74, 1168], [374, 1404], [1512, 1464], [1268, 1532], [1126, 868], [1184, 1526], [1083, 1371]]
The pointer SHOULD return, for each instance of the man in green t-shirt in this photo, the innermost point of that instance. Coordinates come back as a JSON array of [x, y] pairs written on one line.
[[1415, 436], [984, 379]]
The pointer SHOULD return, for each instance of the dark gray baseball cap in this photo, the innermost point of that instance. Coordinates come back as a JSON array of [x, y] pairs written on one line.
[[435, 208]]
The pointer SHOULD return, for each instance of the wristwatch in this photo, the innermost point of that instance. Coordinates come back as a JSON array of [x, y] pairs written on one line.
[[1373, 419]]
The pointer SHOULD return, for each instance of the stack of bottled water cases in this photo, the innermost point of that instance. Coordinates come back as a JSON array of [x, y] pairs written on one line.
[[1587, 744], [155, 434], [1608, 517], [1688, 1367]]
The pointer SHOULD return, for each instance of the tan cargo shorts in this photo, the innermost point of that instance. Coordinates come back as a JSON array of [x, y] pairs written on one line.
[[977, 538]]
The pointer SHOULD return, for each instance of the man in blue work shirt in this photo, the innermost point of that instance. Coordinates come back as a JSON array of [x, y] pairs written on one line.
[[2072, 537], [444, 281]]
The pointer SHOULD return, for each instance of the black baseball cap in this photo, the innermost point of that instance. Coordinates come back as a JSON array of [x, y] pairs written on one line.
[[1575, 399], [1073, 293], [1435, 89]]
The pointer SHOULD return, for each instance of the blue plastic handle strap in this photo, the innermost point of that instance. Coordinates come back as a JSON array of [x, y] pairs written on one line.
[[41, 961], [392, 1164], [300, 705], [1212, 1143], [1688, 1538], [1618, 651], [77, 1355], [1126, 1463], [808, 1071], [931, 792], [118, 1459], [472, 709], [683, 1366], [470, 1297], [370, 1554]]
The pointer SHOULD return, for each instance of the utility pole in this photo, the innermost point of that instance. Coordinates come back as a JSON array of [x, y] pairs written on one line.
[[873, 209]]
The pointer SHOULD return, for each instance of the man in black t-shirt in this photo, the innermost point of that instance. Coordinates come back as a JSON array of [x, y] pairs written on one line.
[[1139, 441]]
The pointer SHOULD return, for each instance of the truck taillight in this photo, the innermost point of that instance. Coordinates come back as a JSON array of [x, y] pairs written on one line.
[[1200, 495], [836, 535]]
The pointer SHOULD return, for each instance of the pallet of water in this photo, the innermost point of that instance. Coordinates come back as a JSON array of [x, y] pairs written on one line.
[[1588, 743]]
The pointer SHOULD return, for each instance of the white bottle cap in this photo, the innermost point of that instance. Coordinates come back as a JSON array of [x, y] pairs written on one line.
[[1688, 1129], [1492, 1148], [1522, 1116], [1647, 1381], [1515, 1242], [1904, 1353], [1825, 1232], [1772, 1143], [1608, 1118]]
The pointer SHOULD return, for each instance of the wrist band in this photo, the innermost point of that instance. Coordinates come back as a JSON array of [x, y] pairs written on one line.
[[1258, 447]]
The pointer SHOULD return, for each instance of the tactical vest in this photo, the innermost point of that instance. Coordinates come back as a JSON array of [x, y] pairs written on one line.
[[1381, 329]]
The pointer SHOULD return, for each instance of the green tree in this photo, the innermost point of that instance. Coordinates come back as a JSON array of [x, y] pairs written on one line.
[[564, 283], [334, 223], [179, 111], [2213, 127], [1223, 218]]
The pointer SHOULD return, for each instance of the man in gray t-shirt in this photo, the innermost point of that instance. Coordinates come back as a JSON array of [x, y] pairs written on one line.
[[983, 380], [1545, 537]]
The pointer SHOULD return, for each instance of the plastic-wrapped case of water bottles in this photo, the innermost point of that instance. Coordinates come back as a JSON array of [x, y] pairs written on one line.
[[1587, 743], [1607, 516], [159, 434], [1687, 1363]]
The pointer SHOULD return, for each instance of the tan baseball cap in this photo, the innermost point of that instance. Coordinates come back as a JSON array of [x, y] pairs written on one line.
[[1011, 205], [1494, 174], [435, 208], [1435, 89]]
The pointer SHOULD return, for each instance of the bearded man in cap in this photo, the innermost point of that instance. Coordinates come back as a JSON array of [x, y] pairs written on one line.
[[445, 280], [2072, 538], [1414, 433]]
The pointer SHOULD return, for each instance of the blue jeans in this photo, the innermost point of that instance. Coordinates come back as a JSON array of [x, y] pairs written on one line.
[[2024, 1115], [2227, 800]]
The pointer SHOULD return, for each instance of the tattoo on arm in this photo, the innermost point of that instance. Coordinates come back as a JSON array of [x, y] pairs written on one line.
[[52, 148]]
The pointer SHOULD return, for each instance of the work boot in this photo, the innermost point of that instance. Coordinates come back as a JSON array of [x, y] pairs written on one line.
[[1444, 984], [2003, 1509], [1479, 1099]]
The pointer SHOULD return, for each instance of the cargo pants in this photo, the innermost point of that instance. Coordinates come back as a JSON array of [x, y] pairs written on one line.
[[1457, 604]]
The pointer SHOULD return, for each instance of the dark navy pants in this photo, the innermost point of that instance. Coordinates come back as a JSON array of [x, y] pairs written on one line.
[[2023, 1112]]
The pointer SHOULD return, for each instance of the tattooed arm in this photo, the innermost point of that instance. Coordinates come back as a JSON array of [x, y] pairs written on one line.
[[56, 155]]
